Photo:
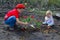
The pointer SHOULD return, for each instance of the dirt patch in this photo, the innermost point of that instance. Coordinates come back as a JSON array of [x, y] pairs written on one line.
[[38, 35]]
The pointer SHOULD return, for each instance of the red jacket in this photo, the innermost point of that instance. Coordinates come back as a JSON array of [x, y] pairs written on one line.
[[13, 12]]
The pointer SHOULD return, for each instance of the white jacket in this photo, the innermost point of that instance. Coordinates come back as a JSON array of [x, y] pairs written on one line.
[[49, 21]]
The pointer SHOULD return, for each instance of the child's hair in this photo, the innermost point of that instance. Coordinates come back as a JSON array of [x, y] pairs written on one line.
[[49, 12]]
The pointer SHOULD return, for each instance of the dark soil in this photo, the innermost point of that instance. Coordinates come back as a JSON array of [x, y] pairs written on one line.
[[25, 35]]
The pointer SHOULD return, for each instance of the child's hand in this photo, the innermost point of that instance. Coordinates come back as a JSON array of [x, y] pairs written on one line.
[[25, 23]]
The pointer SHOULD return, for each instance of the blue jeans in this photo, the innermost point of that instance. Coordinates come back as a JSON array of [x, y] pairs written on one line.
[[11, 21]]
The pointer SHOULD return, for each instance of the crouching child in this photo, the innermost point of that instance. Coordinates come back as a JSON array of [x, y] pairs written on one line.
[[12, 17]]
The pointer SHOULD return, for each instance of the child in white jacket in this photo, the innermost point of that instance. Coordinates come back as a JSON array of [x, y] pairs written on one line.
[[49, 19]]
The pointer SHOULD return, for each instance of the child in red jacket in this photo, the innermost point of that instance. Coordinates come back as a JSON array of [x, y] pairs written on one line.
[[12, 16]]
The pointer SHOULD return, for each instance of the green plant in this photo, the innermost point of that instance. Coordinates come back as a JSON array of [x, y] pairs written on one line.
[[26, 19], [33, 21], [38, 24]]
